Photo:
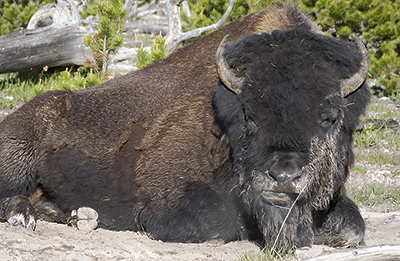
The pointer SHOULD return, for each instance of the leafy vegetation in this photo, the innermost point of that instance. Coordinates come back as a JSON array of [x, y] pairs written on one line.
[[16, 14], [90, 9], [207, 12], [158, 51], [112, 17], [17, 88], [268, 255], [378, 22], [377, 143]]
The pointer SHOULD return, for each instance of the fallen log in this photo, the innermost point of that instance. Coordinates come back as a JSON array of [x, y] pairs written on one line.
[[55, 34], [58, 43], [35, 48], [382, 253]]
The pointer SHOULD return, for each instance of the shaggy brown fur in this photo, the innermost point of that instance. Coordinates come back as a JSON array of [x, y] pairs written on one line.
[[99, 120], [143, 149]]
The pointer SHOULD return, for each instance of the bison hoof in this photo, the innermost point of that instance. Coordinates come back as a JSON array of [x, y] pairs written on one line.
[[85, 219], [20, 212], [20, 220]]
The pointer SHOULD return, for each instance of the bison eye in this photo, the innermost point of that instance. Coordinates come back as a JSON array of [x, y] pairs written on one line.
[[252, 126], [328, 117]]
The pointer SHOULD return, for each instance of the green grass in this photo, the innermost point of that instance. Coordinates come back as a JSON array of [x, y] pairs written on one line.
[[383, 109], [379, 147], [395, 171], [376, 143], [374, 194], [21, 87], [268, 255], [378, 157], [365, 139], [360, 169]]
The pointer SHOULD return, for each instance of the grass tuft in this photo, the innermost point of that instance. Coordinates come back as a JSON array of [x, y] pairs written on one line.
[[374, 194], [360, 169], [378, 157], [269, 255], [21, 87]]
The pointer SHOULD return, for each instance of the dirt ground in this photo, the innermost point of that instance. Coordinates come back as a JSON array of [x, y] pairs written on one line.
[[53, 241]]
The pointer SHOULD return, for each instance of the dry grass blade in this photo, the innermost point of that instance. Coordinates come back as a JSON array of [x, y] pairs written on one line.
[[284, 221]]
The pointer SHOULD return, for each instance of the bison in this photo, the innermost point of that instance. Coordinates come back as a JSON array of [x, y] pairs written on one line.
[[246, 136]]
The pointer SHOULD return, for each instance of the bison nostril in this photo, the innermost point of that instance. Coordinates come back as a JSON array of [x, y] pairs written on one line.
[[282, 177], [284, 170]]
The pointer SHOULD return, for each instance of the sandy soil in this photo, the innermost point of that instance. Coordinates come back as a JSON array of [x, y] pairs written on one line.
[[53, 241]]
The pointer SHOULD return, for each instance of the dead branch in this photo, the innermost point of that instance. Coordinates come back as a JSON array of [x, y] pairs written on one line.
[[364, 254], [175, 35], [146, 28], [62, 12]]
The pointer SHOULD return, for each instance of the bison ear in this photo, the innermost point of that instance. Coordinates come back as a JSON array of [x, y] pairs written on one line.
[[233, 82], [351, 84]]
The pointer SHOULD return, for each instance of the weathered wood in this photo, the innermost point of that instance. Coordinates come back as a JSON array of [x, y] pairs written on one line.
[[62, 12], [175, 35], [382, 253], [58, 43], [52, 46], [55, 33], [146, 28]]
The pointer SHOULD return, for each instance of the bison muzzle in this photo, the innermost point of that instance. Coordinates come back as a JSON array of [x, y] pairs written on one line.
[[247, 139]]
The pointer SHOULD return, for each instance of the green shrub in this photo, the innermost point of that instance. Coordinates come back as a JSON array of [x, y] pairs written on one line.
[[112, 17], [208, 12], [90, 9], [158, 51], [142, 58], [69, 80], [378, 22], [21, 87], [16, 14]]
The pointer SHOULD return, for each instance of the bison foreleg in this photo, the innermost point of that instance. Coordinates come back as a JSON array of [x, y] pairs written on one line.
[[341, 225], [84, 218], [18, 211], [48, 211]]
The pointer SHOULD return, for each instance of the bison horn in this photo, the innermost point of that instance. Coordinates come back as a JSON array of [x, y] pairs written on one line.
[[233, 82], [351, 84]]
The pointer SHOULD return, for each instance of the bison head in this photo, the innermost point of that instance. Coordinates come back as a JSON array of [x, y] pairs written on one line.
[[289, 102]]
